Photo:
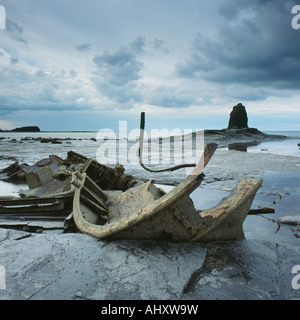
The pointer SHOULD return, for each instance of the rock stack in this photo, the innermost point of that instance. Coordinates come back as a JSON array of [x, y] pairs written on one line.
[[238, 118]]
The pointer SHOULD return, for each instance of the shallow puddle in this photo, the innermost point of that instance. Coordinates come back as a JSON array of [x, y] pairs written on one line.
[[263, 226], [10, 189]]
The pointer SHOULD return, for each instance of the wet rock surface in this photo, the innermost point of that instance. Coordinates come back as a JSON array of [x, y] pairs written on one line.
[[245, 137], [248, 270], [76, 266]]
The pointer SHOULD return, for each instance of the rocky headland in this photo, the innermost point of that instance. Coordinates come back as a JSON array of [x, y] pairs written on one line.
[[236, 139], [24, 129], [238, 136]]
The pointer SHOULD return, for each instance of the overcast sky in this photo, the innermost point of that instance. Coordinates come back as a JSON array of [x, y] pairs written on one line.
[[86, 65]]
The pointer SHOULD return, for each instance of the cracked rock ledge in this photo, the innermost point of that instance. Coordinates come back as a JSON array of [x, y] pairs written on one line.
[[77, 266]]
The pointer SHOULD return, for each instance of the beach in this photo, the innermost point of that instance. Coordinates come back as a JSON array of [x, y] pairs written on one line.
[[277, 161], [229, 269]]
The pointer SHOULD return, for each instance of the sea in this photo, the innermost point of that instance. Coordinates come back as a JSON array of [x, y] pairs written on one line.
[[108, 147], [281, 147], [27, 148]]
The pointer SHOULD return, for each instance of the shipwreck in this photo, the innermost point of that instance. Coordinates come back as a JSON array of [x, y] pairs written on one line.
[[78, 194]]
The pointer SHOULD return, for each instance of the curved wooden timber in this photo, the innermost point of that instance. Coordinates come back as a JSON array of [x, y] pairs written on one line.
[[147, 212]]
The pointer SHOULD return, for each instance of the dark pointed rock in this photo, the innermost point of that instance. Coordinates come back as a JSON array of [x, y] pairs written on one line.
[[238, 117]]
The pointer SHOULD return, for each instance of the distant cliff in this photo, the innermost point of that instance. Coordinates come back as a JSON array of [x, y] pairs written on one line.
[[24, 129]]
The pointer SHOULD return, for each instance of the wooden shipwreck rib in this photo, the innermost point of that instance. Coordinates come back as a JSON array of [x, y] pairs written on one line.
[[47, 204], [104, 202], [147, 212]]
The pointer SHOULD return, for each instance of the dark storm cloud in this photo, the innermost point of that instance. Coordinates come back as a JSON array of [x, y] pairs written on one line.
[[160, 44], [122, 66], [255, 45], [15, 31], [13, 60], [84, 47], [40, 73], [73, 73], [118, 71], [138, 45], [118, 68]]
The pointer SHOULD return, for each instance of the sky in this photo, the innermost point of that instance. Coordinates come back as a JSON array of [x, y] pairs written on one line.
[[87, 65]]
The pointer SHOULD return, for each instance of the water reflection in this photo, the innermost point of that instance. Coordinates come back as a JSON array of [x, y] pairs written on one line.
[[238, 147], [242, 146], [10, 189], [263, 226], [287, 147], [266, 227]]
